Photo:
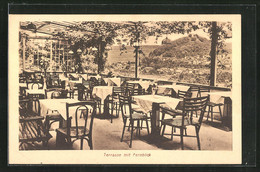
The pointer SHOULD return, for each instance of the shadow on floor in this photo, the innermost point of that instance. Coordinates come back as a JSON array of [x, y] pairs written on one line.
[[163, 142], [217, 124]]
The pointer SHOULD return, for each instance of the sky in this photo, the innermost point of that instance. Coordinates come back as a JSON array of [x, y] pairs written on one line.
[[151, 40]]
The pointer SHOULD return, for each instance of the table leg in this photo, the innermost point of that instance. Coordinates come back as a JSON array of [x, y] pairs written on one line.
[[227, 113], [155, 128]]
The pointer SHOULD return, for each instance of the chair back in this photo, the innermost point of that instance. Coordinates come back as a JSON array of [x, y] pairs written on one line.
[[30, 107], [198, 105], [129, 88], [194, 89], [88, 108], [117, 91], [203, 90], [36, 86], [184, 94], [137, 91], [125, 105]]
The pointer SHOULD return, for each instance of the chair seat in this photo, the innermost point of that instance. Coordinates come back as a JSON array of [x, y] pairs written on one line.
[[170, 111], [137, 116], [136, 108], [73, 131], [29, 131], [177, 122], [214, 104]]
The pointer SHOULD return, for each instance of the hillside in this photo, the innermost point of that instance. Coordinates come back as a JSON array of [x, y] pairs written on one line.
[[192, 45]]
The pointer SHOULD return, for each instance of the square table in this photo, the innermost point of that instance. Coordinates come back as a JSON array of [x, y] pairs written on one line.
[[150, 103], [220, 97], [111, 81], [55, 104], [35, 92], [102, 91], [166, 89], [144, 84]]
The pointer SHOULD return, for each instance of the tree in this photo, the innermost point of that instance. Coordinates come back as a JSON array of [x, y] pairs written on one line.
[[89, 34]]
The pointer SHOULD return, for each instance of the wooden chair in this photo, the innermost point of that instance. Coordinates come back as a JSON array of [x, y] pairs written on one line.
[[31, 127], [210, 105], [202, 91], [184, 94], [195, 89], [70, 133], [113, 101], [87, 89], [128, 113], [182, 120], [53, 116]]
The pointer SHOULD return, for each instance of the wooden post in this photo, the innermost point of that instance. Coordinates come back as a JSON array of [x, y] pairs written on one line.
[[213, 58], [99, 55], [136, 61], [59, 54], [51, 56], [23, 53]]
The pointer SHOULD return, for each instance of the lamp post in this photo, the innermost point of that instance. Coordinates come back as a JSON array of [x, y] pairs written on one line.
[[136, 46]]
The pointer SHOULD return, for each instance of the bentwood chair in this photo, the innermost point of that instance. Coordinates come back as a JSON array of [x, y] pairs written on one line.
[[128, 114], [76, 128], [182, 119], [53, 115]]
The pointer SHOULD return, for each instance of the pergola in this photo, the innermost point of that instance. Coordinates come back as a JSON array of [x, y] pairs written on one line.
[[47, 43], [57, 49]]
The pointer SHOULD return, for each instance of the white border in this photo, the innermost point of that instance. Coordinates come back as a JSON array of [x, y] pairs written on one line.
[[97, 156]]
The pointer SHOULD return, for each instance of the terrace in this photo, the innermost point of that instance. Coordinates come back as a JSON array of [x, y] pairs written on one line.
[[68, 96]]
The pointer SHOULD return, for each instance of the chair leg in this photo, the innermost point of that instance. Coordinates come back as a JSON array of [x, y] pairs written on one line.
[[181, 134], [212, 114], [172, 134], [164, 126], [132, 130], [129, 126], [198, 138], [137, 127], [220, 113], [123, 130], [81, 144], [208, 113], [163, 115], [90, 143], [147, 126]]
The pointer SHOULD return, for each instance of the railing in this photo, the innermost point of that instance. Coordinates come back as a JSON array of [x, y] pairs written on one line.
[[160, 82]]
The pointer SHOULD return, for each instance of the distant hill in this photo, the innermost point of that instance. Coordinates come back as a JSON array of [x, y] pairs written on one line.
[[192, 45]]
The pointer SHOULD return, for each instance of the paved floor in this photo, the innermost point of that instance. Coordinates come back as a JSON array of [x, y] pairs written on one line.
[[106, 136]]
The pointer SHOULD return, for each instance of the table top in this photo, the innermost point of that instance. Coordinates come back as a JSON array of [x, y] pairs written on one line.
[[116, 81], [102, 91], [143, 84], [222, 93], [55, 104], [219, 96], [146, 101], [175, 87], [35, 91]]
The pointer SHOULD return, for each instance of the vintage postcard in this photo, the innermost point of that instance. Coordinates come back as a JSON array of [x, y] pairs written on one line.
[[124, 89]]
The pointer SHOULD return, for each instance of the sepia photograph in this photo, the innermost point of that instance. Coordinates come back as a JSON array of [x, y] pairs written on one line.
[[124, 89]]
